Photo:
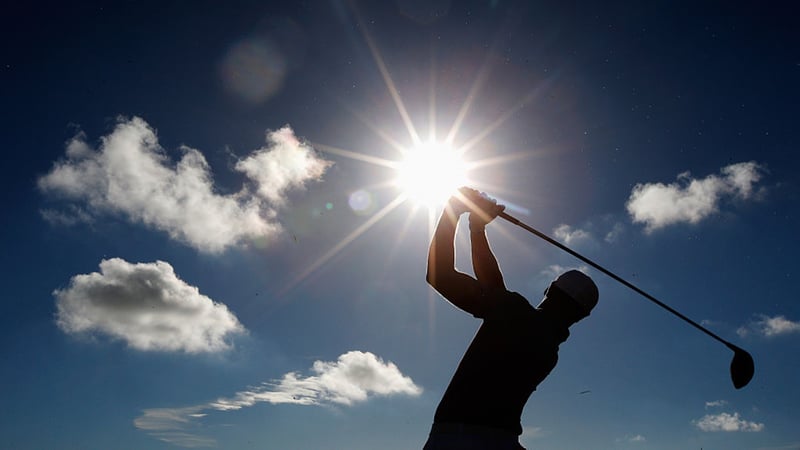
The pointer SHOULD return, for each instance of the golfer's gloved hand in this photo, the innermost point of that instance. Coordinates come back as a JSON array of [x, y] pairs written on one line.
[[482, 209], [486, 211], [458, 203]]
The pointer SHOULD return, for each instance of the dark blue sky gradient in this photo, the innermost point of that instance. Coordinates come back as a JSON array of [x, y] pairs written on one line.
[[597, 96]]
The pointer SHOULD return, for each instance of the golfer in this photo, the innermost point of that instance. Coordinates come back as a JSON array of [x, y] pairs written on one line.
[[516, 346]]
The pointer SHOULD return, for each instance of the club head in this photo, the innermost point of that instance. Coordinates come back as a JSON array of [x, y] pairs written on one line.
[[742, 367]]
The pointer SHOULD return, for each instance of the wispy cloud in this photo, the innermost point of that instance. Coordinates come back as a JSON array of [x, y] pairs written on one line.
[[176, 426], [147, 306], [131, 175], [168, 419], [727, 422], [616, 231], [530, 434], [354, 377], [769, 327], [554, 270], [716, 404], [72, 216], [606, 228], [635, 438], [690, 200], [570, 235]]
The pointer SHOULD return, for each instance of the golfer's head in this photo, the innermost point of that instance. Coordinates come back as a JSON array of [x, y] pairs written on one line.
[[572, 291]]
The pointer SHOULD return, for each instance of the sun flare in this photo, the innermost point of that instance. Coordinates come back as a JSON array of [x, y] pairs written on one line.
[[430, 173]]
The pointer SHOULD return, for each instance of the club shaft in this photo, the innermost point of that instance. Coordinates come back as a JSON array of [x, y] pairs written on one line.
[[658, 302]]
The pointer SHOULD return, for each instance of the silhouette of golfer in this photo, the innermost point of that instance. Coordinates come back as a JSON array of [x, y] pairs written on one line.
[[516, 346]]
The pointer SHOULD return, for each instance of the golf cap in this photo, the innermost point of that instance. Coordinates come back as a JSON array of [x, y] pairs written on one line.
[[580, 287]]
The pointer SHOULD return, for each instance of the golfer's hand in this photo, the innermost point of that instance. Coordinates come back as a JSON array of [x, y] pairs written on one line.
[[485, 211], [482, 209], [459, 203]]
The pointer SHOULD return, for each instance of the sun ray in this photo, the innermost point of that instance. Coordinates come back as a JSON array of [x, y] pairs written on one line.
[[400, 237], [493, 188], [375, 128], [532, 94], [355, 155], [387, 78], [432, 99], [344, 243], [486, 162], [431, 221], [480, 79]]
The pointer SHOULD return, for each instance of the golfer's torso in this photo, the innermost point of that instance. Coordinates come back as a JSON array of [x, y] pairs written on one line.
[[513, 351]]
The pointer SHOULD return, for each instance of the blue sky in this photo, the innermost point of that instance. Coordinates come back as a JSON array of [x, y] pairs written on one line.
[[204, 247]]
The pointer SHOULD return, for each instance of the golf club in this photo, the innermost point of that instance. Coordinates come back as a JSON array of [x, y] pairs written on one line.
[[742, 366]]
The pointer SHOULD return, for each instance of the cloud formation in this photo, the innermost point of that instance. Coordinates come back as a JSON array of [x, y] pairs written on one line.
[[616, 231], [354, 377], [727, 422], [636, 438], [690, 200], [147, 306], [131, 175], [552, 271], [769, 327], [716, 404], [284, 164], [569, 235]]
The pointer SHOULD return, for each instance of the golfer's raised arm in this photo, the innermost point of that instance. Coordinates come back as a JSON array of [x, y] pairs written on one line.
[[458, 288], [484, 263]]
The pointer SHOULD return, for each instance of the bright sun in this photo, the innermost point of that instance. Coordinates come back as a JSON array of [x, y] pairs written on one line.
[[430, 173]]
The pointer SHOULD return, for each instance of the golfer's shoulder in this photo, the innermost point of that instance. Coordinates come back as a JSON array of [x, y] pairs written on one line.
[[512, 297], [508, 302]]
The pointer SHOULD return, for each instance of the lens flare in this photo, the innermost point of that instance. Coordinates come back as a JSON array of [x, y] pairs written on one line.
[[360, 202]]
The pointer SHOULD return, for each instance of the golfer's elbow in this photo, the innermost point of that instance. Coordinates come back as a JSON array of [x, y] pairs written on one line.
[[430, 278], [442, 280], [433, 269], [435, 277]]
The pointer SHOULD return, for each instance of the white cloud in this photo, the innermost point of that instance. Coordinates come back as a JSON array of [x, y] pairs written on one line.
[[636, 438], [131, 175], [147, 306], [530, 432], [569, 235], [727, 422], [770, 327], [554, 270], [166, 419], [72, 216], [691, 200], [716, 404], [616, 231], [606, 226], [354, 377], [286, 163]]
